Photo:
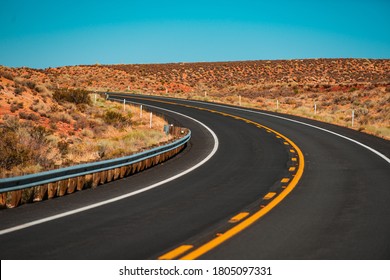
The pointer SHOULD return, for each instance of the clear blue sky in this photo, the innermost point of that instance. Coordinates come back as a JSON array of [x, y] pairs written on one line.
[[45, 33]]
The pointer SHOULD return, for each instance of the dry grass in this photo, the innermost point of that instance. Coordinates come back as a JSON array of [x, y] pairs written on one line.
[[371, 109], [41, 133]]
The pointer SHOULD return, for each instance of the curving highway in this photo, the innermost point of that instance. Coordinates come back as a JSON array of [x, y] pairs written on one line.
[[250, 185]]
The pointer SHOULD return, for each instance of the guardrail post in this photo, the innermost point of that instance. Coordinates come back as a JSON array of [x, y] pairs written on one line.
[[62, 187], [13, 198], [88, 181], [72, 185], [52, 190], [95, 179], [40, 192], [103, 177], [27, 195], [3, 198], [80, 182]]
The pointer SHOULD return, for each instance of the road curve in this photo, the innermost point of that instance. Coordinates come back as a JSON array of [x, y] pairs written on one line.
[[338, 209]]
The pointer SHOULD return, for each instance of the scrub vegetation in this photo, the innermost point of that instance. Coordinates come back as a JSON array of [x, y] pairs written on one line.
[[324, 89], [43, 127]]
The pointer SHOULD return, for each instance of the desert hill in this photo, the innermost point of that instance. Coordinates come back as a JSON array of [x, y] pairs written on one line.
[[335, 87]]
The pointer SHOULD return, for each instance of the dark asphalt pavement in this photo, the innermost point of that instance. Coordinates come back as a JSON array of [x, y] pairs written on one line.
[[338, 210]]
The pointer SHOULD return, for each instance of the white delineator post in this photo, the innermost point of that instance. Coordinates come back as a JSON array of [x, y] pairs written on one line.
[[140, 112], [315, 108], [151, 117], [277, 104], [353, 118], [95, 97], [124, 105]]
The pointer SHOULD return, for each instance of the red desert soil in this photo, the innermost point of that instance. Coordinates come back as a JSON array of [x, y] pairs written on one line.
[[335, 86]]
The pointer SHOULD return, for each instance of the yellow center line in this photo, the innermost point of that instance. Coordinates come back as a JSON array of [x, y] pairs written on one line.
[[176, 252], [253, 218], [203, 249]]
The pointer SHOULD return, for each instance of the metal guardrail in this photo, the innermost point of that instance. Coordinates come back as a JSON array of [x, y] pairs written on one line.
[[32, 180]]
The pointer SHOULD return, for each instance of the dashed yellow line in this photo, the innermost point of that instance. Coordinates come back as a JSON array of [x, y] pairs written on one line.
[[269, 195], [238, 217]]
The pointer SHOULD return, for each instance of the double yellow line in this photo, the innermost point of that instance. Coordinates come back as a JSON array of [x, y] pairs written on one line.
[[187, 251]]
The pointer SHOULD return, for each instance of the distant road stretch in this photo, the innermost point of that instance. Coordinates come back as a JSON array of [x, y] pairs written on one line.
[[250, 185]]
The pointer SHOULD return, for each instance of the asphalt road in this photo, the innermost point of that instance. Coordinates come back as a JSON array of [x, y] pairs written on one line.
[[339, 209]]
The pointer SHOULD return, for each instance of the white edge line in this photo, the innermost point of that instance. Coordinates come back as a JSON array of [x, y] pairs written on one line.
[[95, 205], [295, 121]]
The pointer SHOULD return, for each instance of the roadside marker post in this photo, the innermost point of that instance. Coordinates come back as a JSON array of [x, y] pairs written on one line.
[[140, 112], [353, 117], [151, 117]]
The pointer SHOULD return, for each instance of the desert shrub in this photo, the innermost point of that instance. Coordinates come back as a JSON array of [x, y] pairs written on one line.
[[63, 147], [11, 122], [39, 134], [29, 84], [87, 133], [81, 122], [12, 153], [61, 117], [14, 108], [7, 75], [19, 90], [116, 119], [40, 88], [40, 108], [53, 125], [76, 96], [27, 116]]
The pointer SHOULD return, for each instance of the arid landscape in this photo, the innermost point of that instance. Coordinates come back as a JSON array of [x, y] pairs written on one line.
[[48, 128], [43, 127]]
